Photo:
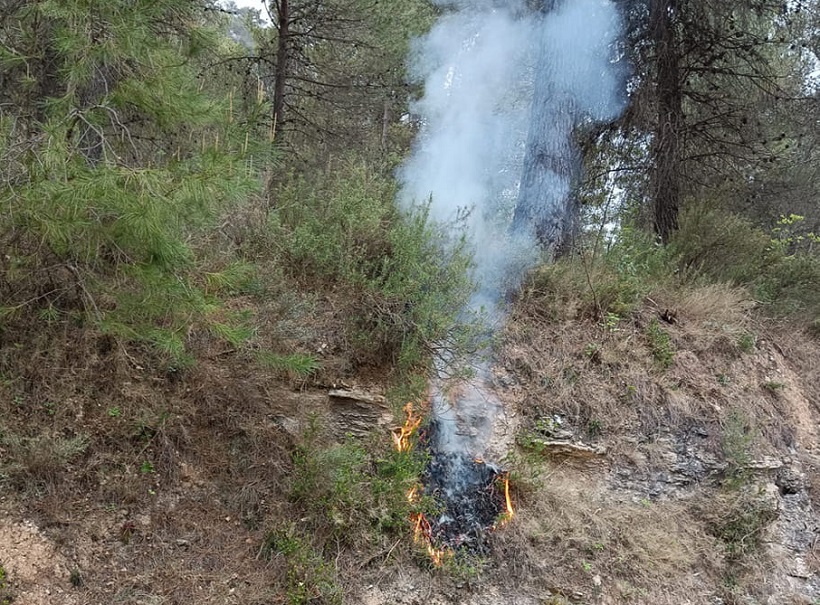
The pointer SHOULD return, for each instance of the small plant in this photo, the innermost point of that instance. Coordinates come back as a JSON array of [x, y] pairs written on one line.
[[723, 380], [309, 577], [298, 364], [146, 467], [742, 523], [75, 578], [611, 321], [747, 342], [773, 386], [630, 393], [595, 428], [464, 567], [660, 343], [114, 412], [593, 352], [737, 442], [6, 596]]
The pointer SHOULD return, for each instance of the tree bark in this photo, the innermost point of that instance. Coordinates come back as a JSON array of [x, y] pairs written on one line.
[[281, 74], [547, 206], [667, 165]]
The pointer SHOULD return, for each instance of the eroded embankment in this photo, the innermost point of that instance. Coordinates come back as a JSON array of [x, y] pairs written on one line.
[[665, 457]]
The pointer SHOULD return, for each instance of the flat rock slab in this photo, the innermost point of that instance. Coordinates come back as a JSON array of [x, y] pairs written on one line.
[[557, 447], [358, 412]]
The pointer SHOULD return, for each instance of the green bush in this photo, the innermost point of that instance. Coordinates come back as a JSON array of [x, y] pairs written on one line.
[[347, 490], [408, 278], [608, 282], [660, 343], [309, 578], [107, 199], [781, 268], [720, 246]]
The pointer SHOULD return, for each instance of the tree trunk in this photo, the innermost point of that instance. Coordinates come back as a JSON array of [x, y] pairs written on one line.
[[282, 64], [546, 206], [666, 176]]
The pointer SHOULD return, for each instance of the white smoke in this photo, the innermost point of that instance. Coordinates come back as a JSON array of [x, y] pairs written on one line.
[[481, 65], [478, 66]]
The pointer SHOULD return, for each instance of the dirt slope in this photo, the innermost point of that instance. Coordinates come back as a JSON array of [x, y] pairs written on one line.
[[682, 475]]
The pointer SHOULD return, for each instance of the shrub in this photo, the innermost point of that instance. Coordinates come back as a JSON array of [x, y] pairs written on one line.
[[605, 284], [348, 490], [720, 246], [781, 268], [408, 277], [309, 577], [660, 344]]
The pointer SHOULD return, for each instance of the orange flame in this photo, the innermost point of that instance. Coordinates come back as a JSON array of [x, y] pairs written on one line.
[[401, 435], [508, 514], [412, 493], [422, 534]]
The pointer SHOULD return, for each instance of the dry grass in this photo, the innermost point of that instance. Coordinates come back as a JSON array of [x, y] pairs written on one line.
[[602, 371], [572, 536], [80, 417]]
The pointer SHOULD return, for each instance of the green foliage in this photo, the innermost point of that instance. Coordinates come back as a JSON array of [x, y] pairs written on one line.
[[604, 283], [410, 279], [747, 342], [350, 492], [6, 595], [118, 169], [773, 386], [297, 364], [738, 438], [740, 525], [723, 247], [309, 577], [660, 343], [781, 268]]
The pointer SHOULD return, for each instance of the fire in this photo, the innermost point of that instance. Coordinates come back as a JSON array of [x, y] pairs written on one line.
[[412, 494], [423, 534], [509, 513], [401, 435]]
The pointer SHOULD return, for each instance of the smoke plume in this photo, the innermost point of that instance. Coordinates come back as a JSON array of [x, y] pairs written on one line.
[[506, 84]]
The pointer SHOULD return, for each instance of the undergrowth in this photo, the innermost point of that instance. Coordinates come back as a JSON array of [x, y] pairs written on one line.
[[407, 276]]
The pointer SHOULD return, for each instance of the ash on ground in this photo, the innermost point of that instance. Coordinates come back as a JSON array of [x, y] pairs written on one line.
[[470, 493]]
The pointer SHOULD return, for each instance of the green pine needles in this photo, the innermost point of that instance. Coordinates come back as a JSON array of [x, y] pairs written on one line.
[[118, 166]]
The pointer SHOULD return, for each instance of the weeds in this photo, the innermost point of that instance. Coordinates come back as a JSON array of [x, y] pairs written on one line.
[[39, 460], [739, 522], [408, 277], [297, 365], [747, 342], [6, 595], [350, 492], [660, 344], [738, 438], [309, 577], [773, 386]]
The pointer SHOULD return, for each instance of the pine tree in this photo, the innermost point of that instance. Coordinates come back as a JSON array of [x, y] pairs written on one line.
[[115, 161]]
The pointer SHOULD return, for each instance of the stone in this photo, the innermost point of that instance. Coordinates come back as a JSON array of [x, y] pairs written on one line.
[[569, 449], [358, 412]]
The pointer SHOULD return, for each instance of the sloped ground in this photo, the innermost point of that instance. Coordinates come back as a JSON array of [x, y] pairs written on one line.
[[648, 470]]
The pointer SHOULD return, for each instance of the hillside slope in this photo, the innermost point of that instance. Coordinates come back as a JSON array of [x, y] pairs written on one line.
[[667, 456]]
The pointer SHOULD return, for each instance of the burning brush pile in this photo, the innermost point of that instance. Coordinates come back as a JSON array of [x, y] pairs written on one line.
[[470, 495]]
